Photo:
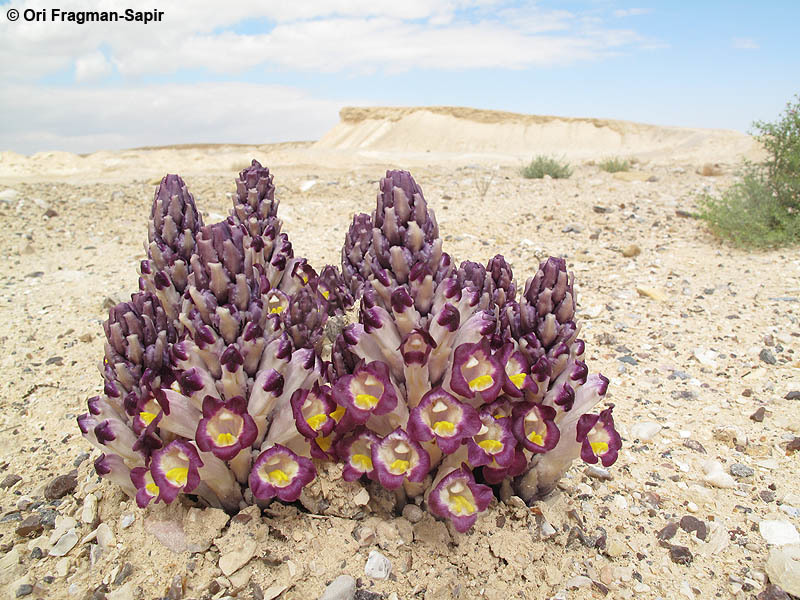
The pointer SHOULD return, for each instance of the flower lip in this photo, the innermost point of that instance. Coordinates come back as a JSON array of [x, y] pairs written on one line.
[[442, 417], [493, 444], [175, 469], [146, 488], [397, 457], [534, 426], [368, 391], [279, 472], [226, 427], [355, 451], [476, 371], [312, 411], [416, 347], [598, 438], [518, 379], [459, 498]]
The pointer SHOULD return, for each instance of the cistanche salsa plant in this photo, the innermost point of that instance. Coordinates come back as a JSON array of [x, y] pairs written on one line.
[[454, 383]]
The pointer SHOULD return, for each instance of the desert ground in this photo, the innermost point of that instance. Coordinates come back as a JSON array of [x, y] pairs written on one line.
[[701, 343]]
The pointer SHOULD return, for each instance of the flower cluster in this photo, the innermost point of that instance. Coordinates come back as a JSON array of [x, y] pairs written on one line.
[[448, 387]]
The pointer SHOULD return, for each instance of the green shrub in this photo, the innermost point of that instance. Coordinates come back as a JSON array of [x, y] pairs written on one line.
[[546, 165], [614, 165], [763, 210]]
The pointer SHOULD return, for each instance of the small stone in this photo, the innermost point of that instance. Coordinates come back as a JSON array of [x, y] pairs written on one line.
[[668, 532], [8, 195], [652, 293], [694, 445], [378, 566], [596, 472], [778, 532], [772, 592], [767, 356], [31, 524], [127, 520], [680, 555], [645, 432], [123, 574], [740, 470], [36, 553], [692, 524], [60, 486], [341, 588], [758, 416], [65, 543], [783, 568], [716, 476], [233, 561], [631, 251], [793, 395], [579, 581], [89, 512], [80, 459], [361, 498], [413, 513], [50, 213], [9, 480], [105, 537], [547, 530], [24, 590]]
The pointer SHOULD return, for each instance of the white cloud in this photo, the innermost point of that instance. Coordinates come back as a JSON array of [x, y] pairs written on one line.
[[632, 12], [89, 119], [745, 44], [354, 36], [92, 67]]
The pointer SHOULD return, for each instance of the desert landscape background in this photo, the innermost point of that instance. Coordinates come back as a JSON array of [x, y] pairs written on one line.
[[700, 342]]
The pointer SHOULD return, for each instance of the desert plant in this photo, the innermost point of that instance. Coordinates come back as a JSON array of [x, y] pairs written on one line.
[[763, 209], [546, 165], [614, 165]]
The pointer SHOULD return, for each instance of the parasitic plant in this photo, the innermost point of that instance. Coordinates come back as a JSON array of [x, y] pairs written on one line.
[[448, 388]]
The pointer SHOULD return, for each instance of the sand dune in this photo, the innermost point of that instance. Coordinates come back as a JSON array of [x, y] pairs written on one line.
[[511, 135]]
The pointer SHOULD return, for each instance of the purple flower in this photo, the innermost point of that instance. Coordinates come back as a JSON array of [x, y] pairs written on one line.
[[355, 451], [397, 457], [457, 497], [279, 472], [598, 438], [226, 428], [493, 444], [442, 417], [476, 371], [534, 426], [368, 391], [146, 488], [174, 469], [312, 411]]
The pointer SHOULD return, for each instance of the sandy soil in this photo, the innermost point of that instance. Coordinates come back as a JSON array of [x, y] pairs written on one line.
[[681, 328]]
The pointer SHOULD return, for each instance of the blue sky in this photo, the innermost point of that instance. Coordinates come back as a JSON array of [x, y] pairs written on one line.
[[260, 72]]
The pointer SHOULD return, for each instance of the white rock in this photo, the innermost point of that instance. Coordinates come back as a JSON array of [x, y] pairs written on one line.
[[715, 475], [62, 567], [105, 537], [307, 185], [705, 357], [361, 498], [341, 588], [122, 593], [89, 512], [65, 543], [233, 561], [127, 520], [778, 532], [578, 581], [8, 195], [378, 566], [783, 568], [645, 432]]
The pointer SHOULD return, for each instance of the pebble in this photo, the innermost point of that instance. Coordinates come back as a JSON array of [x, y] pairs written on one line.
[[341, 588], [413, 513], [772, 592], [31, 524], [680, 555], [8, 195], [645, 432], [89, 512], [631, 251], [127, 520], [65, 543], [9, 481], [783, 568], [652, 293], [716, 476], [60, 486], [778, 532], [767, 356], [24, 590], [378, 566], [578, 581], [62, 567], [233, 561], [600, 473], [740, 470], [758, 416], [793, 395], [361, 498], [692, 524]]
